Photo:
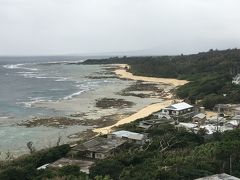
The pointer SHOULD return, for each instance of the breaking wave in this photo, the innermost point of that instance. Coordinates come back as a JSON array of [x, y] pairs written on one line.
[[18, 66], [32, 101], [75, 94]]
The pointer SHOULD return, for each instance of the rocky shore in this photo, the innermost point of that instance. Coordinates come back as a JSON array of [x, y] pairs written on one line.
[[157, 94]]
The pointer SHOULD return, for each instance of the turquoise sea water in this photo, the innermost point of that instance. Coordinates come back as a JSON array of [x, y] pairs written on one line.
[[24, 82]]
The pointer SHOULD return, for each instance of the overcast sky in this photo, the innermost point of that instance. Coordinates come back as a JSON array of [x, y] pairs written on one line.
[[42, 27]]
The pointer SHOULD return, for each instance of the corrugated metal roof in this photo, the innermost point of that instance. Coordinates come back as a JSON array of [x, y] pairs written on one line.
[[222, 176], [129, 135], [179, 106], [99, 144], [188, 125], [200, 115]]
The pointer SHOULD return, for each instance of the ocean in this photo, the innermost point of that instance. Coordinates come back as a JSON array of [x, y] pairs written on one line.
[[25, 82], [43, 87]]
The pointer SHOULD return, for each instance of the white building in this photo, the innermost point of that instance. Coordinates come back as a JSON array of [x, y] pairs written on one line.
[[232, 124], [129, 136], [177, 110]]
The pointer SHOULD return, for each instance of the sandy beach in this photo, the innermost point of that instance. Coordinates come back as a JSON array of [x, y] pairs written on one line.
[[146, 111], [120, 98], [140, 114], [141, 106], [122, 73]]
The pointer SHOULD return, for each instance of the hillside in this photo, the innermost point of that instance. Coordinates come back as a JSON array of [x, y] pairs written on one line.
[[210, 73], [171, 152]]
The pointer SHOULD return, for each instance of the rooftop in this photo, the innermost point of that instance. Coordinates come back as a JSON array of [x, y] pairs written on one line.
[[237, 117], [216, 118], [99, 144], [222, 176], [145, 126], [188, 125], [129, 135], [233, 122], [179, 106], [83, 164], [156, 121], [200, 115], [229, 106], [213, 128]]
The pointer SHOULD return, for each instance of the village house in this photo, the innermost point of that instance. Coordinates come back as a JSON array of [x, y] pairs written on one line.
[[131, 137], [216, 120], [228, 109], [232, 124], [209, 126], [200, 119], [191, 127], [98, 148], [83, 164], [177, 110], [147, 124], [210, 129], [237, 118]]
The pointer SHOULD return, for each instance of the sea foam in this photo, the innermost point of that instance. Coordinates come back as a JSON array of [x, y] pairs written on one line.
[[33, 100], [13, 66], [74, 94], [18, 66]]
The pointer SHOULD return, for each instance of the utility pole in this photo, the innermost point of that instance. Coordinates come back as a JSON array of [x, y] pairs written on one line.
[[218, 118], [230, 165]]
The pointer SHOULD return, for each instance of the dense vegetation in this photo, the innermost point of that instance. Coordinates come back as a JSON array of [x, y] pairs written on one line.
[[171, 153], [25, 167], [210, 73], [174, 154]]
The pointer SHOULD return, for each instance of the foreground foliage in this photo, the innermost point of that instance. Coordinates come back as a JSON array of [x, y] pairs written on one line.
[[172, 153], [175, 154], [25, 167]]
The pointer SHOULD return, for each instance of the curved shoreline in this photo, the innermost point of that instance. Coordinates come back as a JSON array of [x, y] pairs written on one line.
[[146, 111], [122, 73]]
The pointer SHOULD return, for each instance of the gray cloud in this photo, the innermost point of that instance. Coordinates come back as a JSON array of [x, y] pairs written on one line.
[[97, 26]]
